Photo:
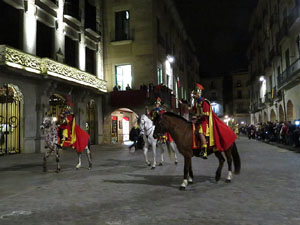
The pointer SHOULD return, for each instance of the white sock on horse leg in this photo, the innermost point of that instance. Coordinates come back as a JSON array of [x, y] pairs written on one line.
[[184, 183], [229, 177]]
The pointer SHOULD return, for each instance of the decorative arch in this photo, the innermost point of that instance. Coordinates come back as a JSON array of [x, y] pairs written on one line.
[[281, 114], [11, 111], [265, 116], [290, 111], [272, 115]]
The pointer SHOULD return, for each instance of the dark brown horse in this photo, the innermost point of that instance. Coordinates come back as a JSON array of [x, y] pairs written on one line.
[[181, 131]]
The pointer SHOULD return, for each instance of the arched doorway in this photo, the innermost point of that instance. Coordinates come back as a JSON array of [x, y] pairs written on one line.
[[290, 111], [118, 124], [281, 114], [273, 116], [11, 100], [56, 103], [91, 121]]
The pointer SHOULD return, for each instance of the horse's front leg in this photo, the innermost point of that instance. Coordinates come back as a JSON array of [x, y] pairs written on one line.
[[191, 174], [154, 155], [162, 151], [57, 160], [146, 153], [46, 155], [229, 162], [89, 156], [221, 163], [187, 165], [79, 161]]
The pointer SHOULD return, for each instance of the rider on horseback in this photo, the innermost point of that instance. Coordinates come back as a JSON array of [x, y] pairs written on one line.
[[201, 109], [159, 110]]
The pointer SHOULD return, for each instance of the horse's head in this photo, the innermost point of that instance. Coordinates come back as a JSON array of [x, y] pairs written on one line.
[[47, 122], [159, 128], [143, 123]]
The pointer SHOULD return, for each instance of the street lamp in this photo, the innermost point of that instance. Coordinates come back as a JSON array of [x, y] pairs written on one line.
[[262, 78], [170, 58]]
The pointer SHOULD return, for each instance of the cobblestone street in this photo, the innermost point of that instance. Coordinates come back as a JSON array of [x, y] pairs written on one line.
[[121, 189]]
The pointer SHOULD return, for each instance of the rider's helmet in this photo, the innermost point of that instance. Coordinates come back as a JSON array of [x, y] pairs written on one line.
[[158, 102], [199, 89]]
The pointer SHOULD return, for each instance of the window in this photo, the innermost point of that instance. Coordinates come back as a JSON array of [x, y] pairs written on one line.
[[90, 61], [239, 94], [123, 76], [239, 83], [10, 26], [45, 41], [90, 16], [122, 22], [71, 52], [287, 58], [159, 75]]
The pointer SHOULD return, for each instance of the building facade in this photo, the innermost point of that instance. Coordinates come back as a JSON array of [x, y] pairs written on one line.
[[274, 61], [240, 97], [146, 45], [49, 49], [213, 91]]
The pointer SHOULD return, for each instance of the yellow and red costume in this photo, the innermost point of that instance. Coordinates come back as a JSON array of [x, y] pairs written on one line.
[[72, 135], [219, 135]]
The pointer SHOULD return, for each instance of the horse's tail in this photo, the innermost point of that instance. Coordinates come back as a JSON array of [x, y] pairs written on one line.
[[236, 159]]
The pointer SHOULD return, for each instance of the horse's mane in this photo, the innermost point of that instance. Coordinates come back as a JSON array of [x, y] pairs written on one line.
[[177, 116]]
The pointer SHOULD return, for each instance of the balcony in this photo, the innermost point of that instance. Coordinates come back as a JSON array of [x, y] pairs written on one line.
[[44, 67], [268, 99], [290, 75], [294, 16]]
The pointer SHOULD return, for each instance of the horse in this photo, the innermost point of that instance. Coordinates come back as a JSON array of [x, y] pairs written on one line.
[[51, 138], [181, 131], [147, 129]]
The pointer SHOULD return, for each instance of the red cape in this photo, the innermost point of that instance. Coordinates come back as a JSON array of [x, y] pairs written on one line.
[[82, 139], [223, 135]]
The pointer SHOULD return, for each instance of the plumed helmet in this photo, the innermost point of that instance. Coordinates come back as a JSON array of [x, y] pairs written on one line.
[[158, 101], [199, 86]]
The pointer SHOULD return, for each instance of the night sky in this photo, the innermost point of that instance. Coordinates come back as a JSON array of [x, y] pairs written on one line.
[[219, 29]]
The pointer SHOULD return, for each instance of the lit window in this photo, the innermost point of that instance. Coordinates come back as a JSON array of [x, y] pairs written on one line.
[[123, 76]]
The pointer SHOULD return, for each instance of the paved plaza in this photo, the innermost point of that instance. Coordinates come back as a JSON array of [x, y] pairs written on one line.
[[122, 190]]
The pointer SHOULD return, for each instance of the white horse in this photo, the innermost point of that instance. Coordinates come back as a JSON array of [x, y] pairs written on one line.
[[51, 138], [147, 129]]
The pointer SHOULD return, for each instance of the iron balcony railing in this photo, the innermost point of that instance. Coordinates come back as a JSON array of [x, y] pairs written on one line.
[[289, 73], [43, 66]]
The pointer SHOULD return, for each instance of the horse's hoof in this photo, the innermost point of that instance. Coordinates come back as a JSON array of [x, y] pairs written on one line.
[[153, 167], [45, 170], [77, 168], [148, 164], [227, 181], [57, 171], [160, 164], [190, 182], [181, 188], [176, 163], [218, 178]]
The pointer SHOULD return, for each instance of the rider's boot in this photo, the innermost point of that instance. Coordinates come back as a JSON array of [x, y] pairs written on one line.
[[203, 152]]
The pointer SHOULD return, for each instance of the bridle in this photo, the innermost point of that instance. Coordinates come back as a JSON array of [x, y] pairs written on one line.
[[146, 130]]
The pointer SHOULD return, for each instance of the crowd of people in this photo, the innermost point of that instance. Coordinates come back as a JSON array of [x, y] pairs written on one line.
[[287, 133]]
